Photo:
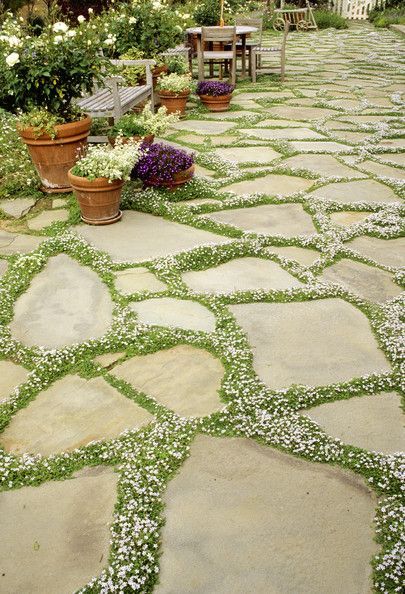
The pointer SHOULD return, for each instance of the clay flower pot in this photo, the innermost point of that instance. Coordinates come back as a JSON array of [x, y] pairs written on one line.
[[148, 139], [54, 157], [174, 102], [216, 103], [179, 179], [99, 199]]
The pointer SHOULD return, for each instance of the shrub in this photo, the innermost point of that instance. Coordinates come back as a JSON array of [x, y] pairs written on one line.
[[391, 15], [326, 20], [160, 164], [177, 65]]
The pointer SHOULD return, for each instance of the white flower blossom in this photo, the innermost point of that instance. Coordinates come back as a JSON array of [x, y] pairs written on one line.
[[12, 59]]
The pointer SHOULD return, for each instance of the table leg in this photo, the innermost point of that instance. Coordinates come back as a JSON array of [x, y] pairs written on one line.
[[243, 38]]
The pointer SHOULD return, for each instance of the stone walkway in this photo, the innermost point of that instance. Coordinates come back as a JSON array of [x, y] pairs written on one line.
[[213, 384]]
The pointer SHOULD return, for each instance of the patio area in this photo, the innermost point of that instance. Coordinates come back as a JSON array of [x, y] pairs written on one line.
[[205, 397]]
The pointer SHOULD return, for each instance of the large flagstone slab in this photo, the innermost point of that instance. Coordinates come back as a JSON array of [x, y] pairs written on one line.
[[314, 342], [323, 165], [368, 282], [345, 218], [319, 146], [140, 236], [204, 126], [55, 537], [132, 280], [64, 304], [70, 414], [13, 243], [46, 218], [398, 158], [300, 113], [251, 154], [373, 422], [180, 313], [245, 518], [17, 207], [282, 133], [271, 185], [224, 139], [274, 219], [367, 190], [304, 256], [184, 378], [11, 375], [389, 252], [383, 170], [274, 123], [241, 274]]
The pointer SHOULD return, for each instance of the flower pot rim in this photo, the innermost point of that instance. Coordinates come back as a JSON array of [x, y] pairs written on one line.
[[174, 94], [62, 130], [96, 182], [215, 97]]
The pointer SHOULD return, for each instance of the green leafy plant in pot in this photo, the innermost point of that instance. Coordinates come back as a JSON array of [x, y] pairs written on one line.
[[144, 126]]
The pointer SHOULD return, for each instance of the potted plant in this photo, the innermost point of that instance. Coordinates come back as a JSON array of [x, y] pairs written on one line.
[[215, 94], [135, 75], [97, 179], [41, 77], [143, 126], [174, 90], [164, 166]]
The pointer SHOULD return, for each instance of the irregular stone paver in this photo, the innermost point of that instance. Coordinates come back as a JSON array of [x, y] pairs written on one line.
[[300, 113], [65, 303], [46, 218], [185, 379], [70, 414], [224, 139], [383, 170], [133, 280], [324, 165], [389, 252], [320, 146], [203, 126], [271, 185], [56, 536], [353, 137], [366, 190], [371, 422], [368, 282], [203, 171], [398, 158], [59, 202], [346, 217], [180, 313], [302, 255], [241, 274], [140, 236], [315, 342], [274, 219], [13, 243], [244, 518], [11, 375], [281, 124], [231, 115], [108, 359], [282, 133], [253, 154], [18, 207], [3, 267]]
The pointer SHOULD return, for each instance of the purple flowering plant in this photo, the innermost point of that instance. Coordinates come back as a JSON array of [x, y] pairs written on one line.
[[160, 164], [215, 88]]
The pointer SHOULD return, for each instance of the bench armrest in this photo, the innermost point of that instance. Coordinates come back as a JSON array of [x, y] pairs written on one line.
[[146, 63]]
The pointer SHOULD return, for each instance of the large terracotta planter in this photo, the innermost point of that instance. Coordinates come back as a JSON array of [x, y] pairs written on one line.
[[148, 139], [99, 200], [174, 102], [179, 179], [54, 157], [218, 103]]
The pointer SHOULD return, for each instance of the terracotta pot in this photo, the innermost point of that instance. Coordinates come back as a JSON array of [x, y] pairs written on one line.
[[146, 139], [54, 158], [219, 103], [179, 179], [156, 72], [174, 102], [99, 200]]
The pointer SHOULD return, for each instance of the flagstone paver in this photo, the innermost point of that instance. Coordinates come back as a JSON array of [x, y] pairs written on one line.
[[204, 126], [367, 190], [274, 219], [185, 379], [46, 218], [59, 531], [313, 342], [3, 267], [282, 133], [133, 280], [324, 165], [14, 243], [65, 303], [373, 422], [346, 217], [11, 375], [383, 170], [300, 113], [271, 185], [241, 274], [180, 313], [17, 208], [252, 154], [70, 414], [387, 252], [313, 524], [320, 146], [302, 255]]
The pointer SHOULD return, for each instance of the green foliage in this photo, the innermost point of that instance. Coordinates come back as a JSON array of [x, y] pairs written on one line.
[[327, 20], [392, 15], [104, 161], [175, 83], [132, 74], [177, 65], [41, 120]]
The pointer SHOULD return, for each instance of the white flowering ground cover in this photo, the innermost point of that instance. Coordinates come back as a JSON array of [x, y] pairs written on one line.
[[346, 87]]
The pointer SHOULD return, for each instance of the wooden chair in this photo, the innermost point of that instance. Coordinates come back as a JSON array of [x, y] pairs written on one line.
[[226, 57], [254, 41], [257, 51]]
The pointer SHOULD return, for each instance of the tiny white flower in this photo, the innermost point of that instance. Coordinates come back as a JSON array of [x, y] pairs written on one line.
[[109, 41], [132, 20], [58, 39], [81, 18], [71, 33], [60, 27], [90, 11], [12, 59]]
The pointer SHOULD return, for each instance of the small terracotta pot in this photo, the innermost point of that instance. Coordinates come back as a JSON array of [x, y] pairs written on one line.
[[54, 157], [145, 139], [219, 103], [174, 102], [179, 179], [99, 200]]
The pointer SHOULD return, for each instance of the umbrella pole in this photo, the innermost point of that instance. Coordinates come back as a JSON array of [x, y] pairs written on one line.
[[221, 18]]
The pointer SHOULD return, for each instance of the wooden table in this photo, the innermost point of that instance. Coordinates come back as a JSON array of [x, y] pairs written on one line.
[[242, 31]]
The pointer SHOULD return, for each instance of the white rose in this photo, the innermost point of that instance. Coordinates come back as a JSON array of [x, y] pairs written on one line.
[[60, 27], [81, 18], [12, 59], [71, 33], [14, 41], [109, 41], [58, 39]]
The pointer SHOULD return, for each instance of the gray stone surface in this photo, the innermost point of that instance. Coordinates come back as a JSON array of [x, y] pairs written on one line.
[[11, 375], [389, 252], [274, 219], [133, 280], [373, 422], [108, 359], [271, 184], [251, 154], [17, 207], [314, 342], [14, 243], [65, 303], [70, 414], [383, 170], [319, 146], [140, 236], [204, 127], [281, 124], [46, 218], [180, 313], [185, 379], [3, 267], [323, 165], [346, 218], [55, 537], [366, 190], [242, 518], [300, 113], [368, 282], [282, 133], [398, 158], [302, 255], [241, 274]]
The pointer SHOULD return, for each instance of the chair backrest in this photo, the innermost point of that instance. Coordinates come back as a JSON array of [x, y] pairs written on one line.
[[252, 21], [219, 34]]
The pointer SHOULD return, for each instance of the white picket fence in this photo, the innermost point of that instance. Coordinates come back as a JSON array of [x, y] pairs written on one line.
[[355, 9]]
